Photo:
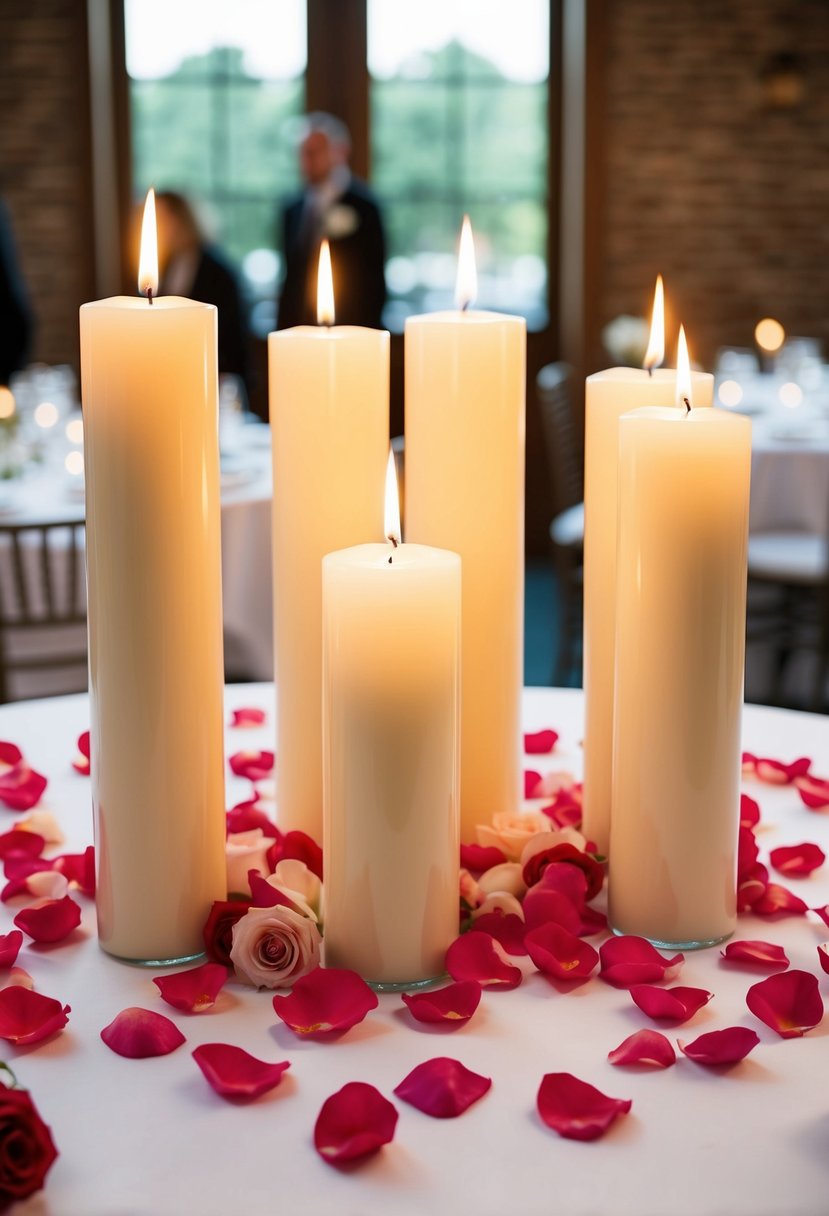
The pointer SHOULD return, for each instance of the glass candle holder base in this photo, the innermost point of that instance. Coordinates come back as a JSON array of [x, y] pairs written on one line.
[[156, 962], [403, 986], [661, 944]]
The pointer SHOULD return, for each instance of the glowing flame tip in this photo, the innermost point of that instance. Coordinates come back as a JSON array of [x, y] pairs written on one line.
[[655, 354], [683, 372], [148, 257], [325, 287], [466, 284], [391, 515]]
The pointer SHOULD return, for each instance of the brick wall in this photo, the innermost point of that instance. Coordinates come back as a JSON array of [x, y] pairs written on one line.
[[730, 200], [44, 162]]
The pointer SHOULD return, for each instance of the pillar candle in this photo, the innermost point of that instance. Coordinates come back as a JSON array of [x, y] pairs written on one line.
[[329, 425], [680, 638], [151, 462], [465, 426]]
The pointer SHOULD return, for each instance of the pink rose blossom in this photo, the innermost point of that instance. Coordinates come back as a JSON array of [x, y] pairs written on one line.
[[293, 875], [245, 851], [507, 878], [272, 947], [499, 901], [509, 832]]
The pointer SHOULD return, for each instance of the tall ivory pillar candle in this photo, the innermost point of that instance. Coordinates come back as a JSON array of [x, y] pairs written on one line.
[[609, 394], [329, 411], [390, 728], [680, 640], [151, 461]]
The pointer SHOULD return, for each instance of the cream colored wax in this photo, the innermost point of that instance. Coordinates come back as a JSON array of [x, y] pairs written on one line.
[[609, 394], [465, 423], [329, 422], [151, 462], [390, 729], [680, 638]]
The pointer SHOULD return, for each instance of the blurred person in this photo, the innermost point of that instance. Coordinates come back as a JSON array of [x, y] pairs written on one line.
[[15, 313], [189, 266], [337, 205]]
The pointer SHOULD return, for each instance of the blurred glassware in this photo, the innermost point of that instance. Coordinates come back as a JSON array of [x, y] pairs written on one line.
[[800, 360], [735, 362]]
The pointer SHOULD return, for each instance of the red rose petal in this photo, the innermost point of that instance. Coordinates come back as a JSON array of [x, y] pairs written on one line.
[[633, 960], [749, 812], [51, 921], [507, 929], [565, 853], [540, 742], [560, 954], [796, 860], [263, 894], [823, 956], [247, 816], [21, 787], [747, 853], [671, 1004], [192, 991], [218, 930], [752, 888], [20, 843], [354, 1122], [233, 1073], [255, 765], [247, 717], [478, 957], [10, 944], [328, 1000], [823, 913], [442, 1087], [576, 1110], [79, 869], [813, 791], [532, 781], [776, 772], [17, 975], [450, 1006], [564, 812], [755, 953], [778, 901], [81, 762], [719, 1047], [10, 753], [789, 1003], [139, 1033], [27, 1016], [644, 1047], [300, 847], [481, 857], [543, 907]]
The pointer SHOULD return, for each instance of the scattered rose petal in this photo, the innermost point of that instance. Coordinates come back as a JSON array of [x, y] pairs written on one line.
[[139, 1033], [560, 954], [823, 913], [42, 823], [27, 1016], [478, 957], [247, 717], [564, 812], [81, 762], [442, 1087], [329, 1000], [813, 791], [778, 901], [255, 765], [21, 787], [19, 843], [247, 816], [51, 921], [633, 960], [747, 853], [354, 1122], [644, 1047], [540, 742], [752, 888], [719, 1047], [823, 956], [749, 811], [233, 1073], [478, 857], [451, 1006], [10, 944], [789, 1003], [218, 931], [507, 930], [192, 991], [669, 1004], [576, 1110], [796, 860], [532, 780], [755, 953], [43, 884], [776, 772], [542, 907], [17, 976], [298, 845], [10, 754]]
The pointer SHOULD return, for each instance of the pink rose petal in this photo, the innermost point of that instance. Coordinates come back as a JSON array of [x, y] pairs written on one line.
[[813, 791], [720, 1047], [633, 960], [81, 762], [21, 787], [823, 956], [560, 954], [755, 953], [789, 1003], [139, 1033], [329, 1000], [576, 1110], [255, 765], [10, 754], [749, 812], [247, 717], [450, 1006], [540, 742], [27, 1017], [233, 1073], [478, 957], [19, 843], [10, 944], [508, 930], [778, 901], [192, 991], [669, 1004], [51, 921], [797, 860], [442, 1087], [354, 1122], [644, 1047], [480, 857]]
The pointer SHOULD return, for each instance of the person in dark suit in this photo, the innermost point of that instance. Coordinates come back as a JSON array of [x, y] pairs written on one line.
[[15, 314], [193, 268], [337, 206]]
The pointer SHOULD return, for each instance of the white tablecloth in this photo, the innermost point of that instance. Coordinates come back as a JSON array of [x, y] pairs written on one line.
[[789, 476], [149, 1138]]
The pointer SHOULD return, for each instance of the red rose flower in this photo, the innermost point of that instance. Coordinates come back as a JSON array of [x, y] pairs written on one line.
[[26, 1147], [218, 931]]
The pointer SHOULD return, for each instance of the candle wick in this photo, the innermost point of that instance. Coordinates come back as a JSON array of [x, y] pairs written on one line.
[[650, 371], [150, 294], [389, 561], [687, 406], [393, 540]]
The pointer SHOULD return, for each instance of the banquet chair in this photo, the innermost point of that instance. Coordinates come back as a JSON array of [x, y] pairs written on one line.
[[42, 606], [566, 485]]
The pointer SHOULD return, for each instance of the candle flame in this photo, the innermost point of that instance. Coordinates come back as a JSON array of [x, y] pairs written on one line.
[[391, 515], [148, 258], [655, 354], [325, 287], [466, 284], [683, 372]]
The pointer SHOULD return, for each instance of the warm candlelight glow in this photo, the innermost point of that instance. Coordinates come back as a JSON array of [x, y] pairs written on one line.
[[790, 394], [46, 414], [74, 463], [769, 335], [391, 514], [730, 393], [325, 287], [466, 284], [6, 402], [74, 430], [655, 354], [148, 258], [683, 372]]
